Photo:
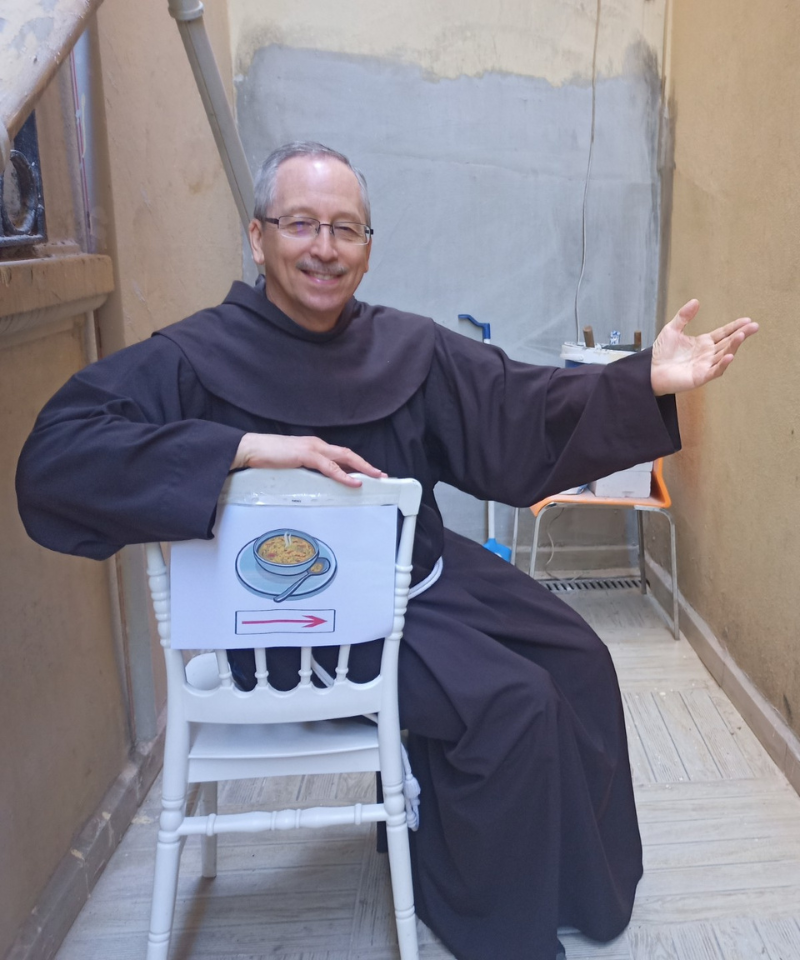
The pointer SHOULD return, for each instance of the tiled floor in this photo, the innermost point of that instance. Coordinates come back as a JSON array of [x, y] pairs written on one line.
[[721, 829]]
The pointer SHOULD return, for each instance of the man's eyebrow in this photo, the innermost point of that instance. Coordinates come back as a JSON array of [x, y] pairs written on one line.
[[302, 211]]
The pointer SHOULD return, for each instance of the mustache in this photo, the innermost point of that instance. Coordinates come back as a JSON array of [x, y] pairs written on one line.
[[317, 266]]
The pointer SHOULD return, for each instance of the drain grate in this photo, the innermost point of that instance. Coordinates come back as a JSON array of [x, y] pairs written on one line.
[[592, 584]]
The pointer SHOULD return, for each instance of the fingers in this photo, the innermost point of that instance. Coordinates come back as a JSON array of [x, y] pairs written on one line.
[[726, 349], [730, 344], [720, 366], [348, 458], [745, 324], [330, 468], [332, 461], [278, 452]]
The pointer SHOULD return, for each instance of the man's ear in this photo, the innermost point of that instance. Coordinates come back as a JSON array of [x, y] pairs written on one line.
[[255, 232], [369, 251]]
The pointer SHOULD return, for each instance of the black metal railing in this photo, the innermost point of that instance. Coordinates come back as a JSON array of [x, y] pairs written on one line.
[[22, 220]]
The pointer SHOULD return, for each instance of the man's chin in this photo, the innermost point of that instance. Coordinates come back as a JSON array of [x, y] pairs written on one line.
[[321, 312]]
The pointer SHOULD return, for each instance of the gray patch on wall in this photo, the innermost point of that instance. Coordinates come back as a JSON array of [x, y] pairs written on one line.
[[40, 27], [477, 192]]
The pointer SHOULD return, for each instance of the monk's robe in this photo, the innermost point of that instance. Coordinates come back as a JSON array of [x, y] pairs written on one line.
[[515, 721]]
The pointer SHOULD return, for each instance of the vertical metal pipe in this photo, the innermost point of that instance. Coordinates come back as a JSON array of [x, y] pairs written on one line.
[[135, 681], [80, 63], [189, 17]]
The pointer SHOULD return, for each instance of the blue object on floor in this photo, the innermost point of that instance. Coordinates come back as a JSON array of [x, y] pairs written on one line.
[[502, 551]]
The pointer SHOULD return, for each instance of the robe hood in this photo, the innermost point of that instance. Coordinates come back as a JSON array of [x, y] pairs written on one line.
[[251, 354]]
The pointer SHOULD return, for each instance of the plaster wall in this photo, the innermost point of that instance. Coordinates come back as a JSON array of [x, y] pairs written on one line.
[[735, 237], [176, 231], [473, 126], [62, 698], [550, 39], [62, 708]]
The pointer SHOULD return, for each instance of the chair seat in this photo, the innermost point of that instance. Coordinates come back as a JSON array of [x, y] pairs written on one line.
[[226, 751], [659, 498]]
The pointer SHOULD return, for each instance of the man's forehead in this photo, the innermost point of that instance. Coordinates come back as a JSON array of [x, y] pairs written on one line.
[[310, 179]]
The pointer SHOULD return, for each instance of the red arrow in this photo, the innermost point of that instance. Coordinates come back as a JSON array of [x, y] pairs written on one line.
[[308, 621]]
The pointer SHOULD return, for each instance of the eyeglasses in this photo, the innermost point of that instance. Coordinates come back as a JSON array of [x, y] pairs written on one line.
[[304, 228]]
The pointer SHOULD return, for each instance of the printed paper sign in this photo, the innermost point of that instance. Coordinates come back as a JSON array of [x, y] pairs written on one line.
[[251, 586]]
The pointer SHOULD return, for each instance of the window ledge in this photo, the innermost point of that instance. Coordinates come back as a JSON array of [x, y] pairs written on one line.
[[38, 292]]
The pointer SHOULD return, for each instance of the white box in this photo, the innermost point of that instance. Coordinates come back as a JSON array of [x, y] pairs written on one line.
[[575, 354], [633, 482]]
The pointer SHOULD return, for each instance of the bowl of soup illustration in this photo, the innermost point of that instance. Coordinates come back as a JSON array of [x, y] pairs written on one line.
[[286, 552]]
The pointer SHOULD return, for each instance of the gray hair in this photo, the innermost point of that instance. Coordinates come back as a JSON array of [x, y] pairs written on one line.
[[267, 174]]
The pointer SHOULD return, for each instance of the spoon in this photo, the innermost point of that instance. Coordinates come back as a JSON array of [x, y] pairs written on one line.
[[322, 565]]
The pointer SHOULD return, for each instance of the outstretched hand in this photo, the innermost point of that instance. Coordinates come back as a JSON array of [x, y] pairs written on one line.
[[278, 452], [681, 362]]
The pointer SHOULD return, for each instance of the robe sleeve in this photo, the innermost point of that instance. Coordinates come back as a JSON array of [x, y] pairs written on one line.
[[515, 433], [125, 453]]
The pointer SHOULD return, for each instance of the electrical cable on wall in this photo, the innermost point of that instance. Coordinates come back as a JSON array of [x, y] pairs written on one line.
[[588, 172]]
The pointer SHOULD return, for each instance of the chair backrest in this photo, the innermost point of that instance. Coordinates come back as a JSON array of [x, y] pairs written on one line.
[[264, 557]]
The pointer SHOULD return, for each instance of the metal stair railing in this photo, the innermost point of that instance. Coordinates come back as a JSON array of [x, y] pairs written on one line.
[[39, 35], [35, 41]]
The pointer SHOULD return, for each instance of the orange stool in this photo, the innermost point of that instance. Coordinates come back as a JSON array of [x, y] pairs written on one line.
[[659, 501]]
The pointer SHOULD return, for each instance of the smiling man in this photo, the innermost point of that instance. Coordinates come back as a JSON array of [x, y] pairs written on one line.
[[311, 268], [511, 701]]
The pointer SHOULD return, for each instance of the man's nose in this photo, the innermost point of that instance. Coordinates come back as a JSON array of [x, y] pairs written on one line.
[[323, 245]]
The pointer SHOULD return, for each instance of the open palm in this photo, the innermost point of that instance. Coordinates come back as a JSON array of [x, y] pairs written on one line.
[[681, 362]]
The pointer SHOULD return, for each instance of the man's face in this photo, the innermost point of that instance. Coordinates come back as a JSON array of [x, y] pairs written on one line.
[[312, 279]]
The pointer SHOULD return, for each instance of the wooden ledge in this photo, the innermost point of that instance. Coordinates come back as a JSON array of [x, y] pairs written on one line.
[[37, 292]]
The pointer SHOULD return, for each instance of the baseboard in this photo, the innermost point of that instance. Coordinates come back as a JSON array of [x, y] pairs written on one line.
[[774, 734], [74, 878]]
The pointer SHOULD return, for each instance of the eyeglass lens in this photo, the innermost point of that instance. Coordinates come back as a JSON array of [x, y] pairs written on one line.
[[307, 227]]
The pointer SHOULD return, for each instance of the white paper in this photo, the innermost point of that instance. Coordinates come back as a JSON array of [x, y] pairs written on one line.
[[224, 598]]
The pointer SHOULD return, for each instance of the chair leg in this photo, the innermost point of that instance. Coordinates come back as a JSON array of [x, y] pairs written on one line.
[[400, 869], [514, 536], [535, 544], [404, 912], [640, 532], [674, 561], [673, 551], [208, 845], [165, 884], [381, 844]]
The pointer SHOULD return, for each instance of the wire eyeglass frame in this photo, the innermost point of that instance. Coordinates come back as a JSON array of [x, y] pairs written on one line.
[[338, 229]]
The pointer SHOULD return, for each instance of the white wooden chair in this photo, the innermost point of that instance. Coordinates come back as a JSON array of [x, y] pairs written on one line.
[[216, 731]]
